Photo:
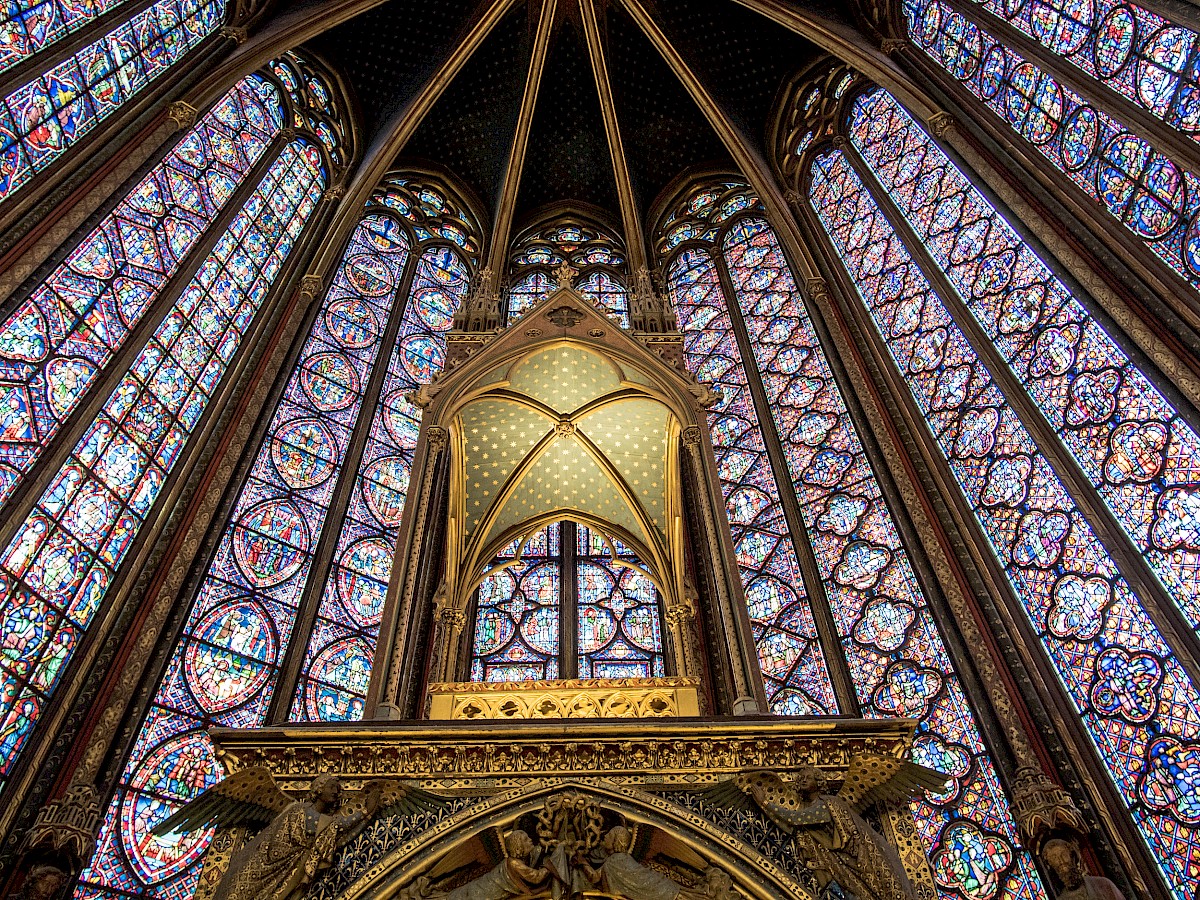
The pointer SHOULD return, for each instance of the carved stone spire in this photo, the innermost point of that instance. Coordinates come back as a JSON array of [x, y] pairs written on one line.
[[648, 310], [480, 311]]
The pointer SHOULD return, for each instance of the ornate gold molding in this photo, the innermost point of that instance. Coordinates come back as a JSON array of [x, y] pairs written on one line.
[[182, 115], [613, 698]]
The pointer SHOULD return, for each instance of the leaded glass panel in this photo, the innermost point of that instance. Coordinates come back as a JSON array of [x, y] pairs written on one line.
[[49, 114], [29, 26], [893, 646], [1141, 455], [517, 619], [57, 570], [792, 663], [1133, 697], [341, 649], [58, 342]]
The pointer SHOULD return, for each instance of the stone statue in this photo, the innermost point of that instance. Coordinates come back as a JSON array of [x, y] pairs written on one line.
[[834, 840], [623, 876], [513, 877], [44, 882], [1066, 862], [300, 837]]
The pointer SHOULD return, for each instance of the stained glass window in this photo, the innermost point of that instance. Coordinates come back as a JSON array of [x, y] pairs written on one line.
[[619, 626], [30, 26], [788, 650], [57, 569], [58, 342], [597, 257], [337, 663], [1132, 444], [46, 116], [890, 641], [368, 345], [517, 612], [1146, 58], [1135, 700], [1146, 191]]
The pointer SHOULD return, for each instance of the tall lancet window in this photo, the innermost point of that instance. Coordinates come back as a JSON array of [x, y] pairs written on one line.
[[181, 267], [1102, 90], [55, 93], [597, 257], [783, 434], [271, 637], [1076, 465]]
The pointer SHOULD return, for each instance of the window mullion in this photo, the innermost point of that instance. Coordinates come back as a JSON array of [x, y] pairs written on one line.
[[839, 671], [1126, 556], [322, 559], [568, 592]]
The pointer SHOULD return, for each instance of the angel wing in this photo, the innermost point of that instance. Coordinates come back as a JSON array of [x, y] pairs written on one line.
[[247, 797], [729, 795], [400, 798], [872, 778]]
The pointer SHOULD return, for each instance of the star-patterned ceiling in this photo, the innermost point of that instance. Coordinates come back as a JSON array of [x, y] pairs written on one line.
[[564, 433]]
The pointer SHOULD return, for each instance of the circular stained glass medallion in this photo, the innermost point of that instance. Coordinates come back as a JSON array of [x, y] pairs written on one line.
[[369, 275], [385, 484], [270, 542], [228, 657], [337, 681], [304, 453], [173, 773], [423, 355], [402, 420], [352, 322], [330, 381], [435, 308], [362, 579]]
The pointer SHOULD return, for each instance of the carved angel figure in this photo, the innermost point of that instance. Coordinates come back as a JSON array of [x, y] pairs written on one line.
[[829, 831], [300, 837]]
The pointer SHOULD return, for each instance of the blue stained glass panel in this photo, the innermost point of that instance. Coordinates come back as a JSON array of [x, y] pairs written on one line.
[[337, 662], [1135, 700], [57, 570], [1140, 454], [526, 294], [45, 117], [796, 676], [893, 646], [30, 26], [57, 343]]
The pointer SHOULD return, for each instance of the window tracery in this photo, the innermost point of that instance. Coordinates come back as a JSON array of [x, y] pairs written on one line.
[[1097, 634], [1153, 195], [597, 256], [376, 336], [47, 115], [888, 636]]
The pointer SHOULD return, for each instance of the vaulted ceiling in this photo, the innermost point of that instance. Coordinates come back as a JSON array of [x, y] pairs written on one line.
[[739, 56]]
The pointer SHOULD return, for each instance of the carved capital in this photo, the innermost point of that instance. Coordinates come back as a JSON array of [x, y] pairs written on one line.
[[1043, 809], [68, 826], [438, 438], [792, 196], [310, 287], [892, 45], [288, 134], [182, 114], [565, 427], [235, 33], [940, 124], [840, 142], [818, 289], [334, 194], [692, 435]]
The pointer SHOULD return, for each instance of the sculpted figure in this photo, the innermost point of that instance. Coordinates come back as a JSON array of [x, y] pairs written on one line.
[[300, 837], [830, 833], [513, 877], [623, 876], [44, 882], [1066, 862]]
